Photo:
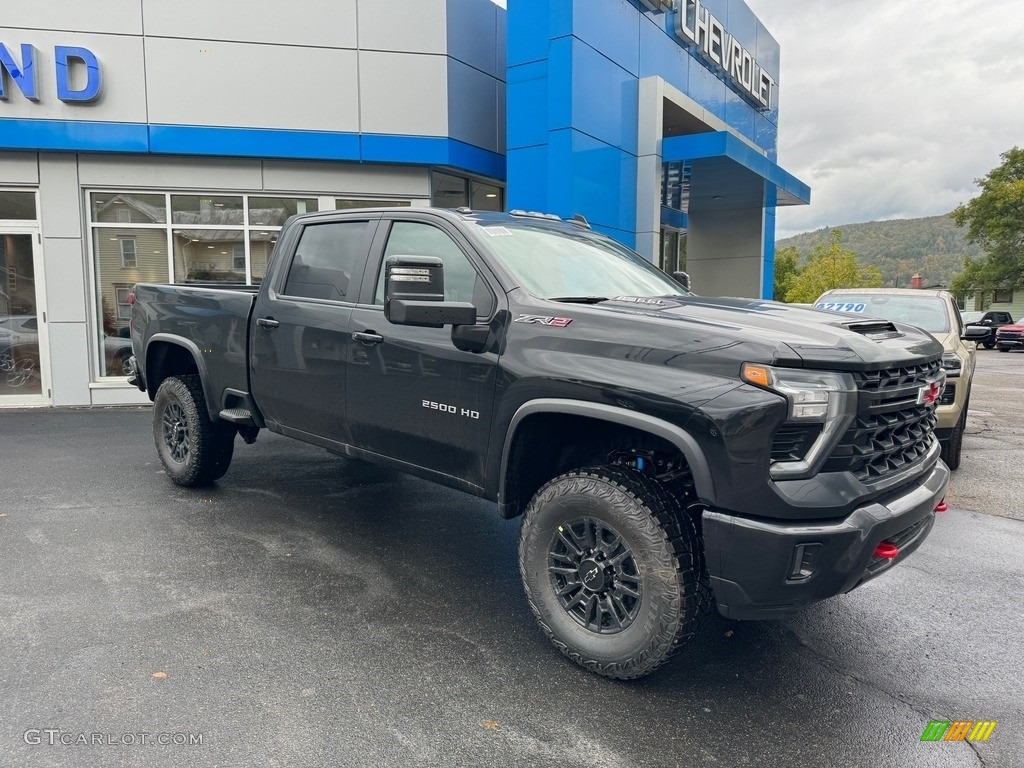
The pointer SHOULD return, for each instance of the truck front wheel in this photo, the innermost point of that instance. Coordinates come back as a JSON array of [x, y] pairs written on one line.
[[610, 567], [194, 450]]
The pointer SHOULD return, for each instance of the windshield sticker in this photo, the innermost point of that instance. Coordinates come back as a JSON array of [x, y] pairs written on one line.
[[497, 231], [840, 306], [554, 322]]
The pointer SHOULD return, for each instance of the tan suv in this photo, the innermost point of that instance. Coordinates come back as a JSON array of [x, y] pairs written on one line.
[[937, 313]]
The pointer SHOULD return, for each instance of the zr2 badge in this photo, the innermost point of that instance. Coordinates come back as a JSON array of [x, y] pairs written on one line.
[[554, 322]]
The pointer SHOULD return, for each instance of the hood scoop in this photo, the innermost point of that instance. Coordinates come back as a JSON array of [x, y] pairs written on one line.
[[876, 330]]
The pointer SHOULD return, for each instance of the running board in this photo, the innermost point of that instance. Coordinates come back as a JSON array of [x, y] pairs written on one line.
[[239, 416]]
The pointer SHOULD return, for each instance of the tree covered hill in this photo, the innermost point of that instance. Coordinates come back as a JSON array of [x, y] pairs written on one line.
[[933, 247]]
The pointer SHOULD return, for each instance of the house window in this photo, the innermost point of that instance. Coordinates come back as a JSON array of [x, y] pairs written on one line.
[[124, 216], [129, 257], [1002, 296], [238, 257], [124, 309]]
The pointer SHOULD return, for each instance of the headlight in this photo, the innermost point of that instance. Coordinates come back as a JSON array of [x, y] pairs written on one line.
[[824, 397], [952, 364]]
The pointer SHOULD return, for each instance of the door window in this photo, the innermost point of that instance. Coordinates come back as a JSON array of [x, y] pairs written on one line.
[[461, 280], [20, 360], [327, 259]]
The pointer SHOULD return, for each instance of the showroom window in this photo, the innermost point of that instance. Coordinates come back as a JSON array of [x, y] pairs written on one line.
[[344, 204], [159, 237], [449, 191]]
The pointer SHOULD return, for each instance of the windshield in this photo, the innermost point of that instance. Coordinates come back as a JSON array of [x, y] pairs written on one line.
[[555, 264], [926, 312]]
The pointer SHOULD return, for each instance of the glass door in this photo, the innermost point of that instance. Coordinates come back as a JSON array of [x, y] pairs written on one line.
[[23, 374]]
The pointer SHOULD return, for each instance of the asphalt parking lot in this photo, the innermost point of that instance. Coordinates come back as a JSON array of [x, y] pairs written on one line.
[[314, 611]]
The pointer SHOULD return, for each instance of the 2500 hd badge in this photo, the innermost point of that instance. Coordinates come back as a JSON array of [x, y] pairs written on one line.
[[451, 409]]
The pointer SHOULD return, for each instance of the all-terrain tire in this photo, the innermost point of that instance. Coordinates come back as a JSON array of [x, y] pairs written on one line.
[[988, 344], [952, 449], [194, 450], [643, 519]]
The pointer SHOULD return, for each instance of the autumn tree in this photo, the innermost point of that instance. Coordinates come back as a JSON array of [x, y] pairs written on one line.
[[787, 262], [995, 220], [831, 266]]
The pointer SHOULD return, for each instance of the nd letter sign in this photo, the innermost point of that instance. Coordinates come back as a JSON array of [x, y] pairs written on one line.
[[24, 73]]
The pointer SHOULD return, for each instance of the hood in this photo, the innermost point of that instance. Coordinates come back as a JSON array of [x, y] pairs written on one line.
[[1016, 328], [798, 336]]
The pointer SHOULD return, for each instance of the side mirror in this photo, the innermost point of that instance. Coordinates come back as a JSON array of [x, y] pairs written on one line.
[[682, 278], [975, 333], [414, 294]]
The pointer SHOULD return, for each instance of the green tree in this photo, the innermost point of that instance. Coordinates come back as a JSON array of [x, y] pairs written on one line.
[[787, 262], [995, 220], [831, 266]]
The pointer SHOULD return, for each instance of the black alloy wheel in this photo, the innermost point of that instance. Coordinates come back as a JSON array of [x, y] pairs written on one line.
[[612, 569], [193, 449], [595, 575], [176, 432]]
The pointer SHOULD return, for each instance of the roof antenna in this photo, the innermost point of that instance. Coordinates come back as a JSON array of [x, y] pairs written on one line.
[[581, 221]]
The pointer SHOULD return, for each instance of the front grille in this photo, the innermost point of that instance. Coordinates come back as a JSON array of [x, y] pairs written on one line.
[[890, 431], [1009, 334], [792, 441]]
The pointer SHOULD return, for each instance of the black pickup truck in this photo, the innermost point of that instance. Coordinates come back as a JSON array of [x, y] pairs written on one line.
[[664, 450]]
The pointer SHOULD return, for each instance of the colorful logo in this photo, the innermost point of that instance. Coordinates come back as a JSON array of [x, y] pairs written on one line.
[[958, 730]]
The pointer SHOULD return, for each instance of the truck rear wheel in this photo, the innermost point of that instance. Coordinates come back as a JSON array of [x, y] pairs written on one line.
[[610, 567], [194, 450]]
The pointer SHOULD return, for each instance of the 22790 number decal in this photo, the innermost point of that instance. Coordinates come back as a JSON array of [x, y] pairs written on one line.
[[839, 306]]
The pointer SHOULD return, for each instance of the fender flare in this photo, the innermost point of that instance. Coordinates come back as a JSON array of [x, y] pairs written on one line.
[[702, 478], [197, 356]]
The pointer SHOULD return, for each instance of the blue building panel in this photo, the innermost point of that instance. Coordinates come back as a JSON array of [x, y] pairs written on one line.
[[660, 55], [708, 90], [528, 169], [614, 32], [740, 116], [527, 94], [585, 176], [604, 98], [77, 136]]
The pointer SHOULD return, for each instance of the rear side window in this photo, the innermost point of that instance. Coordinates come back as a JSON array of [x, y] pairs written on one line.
[[329, 256]]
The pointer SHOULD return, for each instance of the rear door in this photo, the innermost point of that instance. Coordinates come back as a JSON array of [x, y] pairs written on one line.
[[412, 395], [301, 326]]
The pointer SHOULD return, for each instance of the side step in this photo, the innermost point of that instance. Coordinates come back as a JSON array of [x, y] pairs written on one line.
[[239, 416]]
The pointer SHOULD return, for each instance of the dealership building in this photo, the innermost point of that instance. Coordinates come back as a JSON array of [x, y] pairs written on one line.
[[150, 141]]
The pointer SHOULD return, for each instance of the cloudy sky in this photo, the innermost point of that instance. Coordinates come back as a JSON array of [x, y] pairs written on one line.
[[891, 108]]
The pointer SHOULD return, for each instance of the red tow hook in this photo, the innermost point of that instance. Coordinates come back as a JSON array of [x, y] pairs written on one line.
[[942, 506], [887, 551]]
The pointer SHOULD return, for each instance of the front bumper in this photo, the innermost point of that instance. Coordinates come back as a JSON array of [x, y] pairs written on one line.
[[1012, 342], [761, 569]]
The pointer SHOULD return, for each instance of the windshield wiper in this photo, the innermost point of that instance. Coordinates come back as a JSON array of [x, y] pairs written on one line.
[[580, 299]]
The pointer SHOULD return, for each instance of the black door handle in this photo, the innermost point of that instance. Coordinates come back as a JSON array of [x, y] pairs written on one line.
[[367, 338], [267, 322]]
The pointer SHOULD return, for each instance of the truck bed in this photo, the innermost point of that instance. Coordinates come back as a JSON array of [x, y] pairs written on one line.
[[214, 321]]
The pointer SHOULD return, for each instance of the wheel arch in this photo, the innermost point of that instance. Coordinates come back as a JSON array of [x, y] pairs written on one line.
[[169, 355], [551, 412]]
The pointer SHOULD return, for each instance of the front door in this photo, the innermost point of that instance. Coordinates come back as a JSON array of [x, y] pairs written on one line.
[[24, 378], [412, 395]]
